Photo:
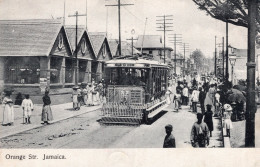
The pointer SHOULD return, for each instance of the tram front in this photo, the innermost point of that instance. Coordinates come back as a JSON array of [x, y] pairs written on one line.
[[131, 89]]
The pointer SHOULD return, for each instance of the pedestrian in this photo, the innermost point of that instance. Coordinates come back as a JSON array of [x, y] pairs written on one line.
[[227, 118], [199, 133], [46, 109], [169, 140], [76, 97], [27, 106], [185, 93], [8, 111], [202, 96], [212, 92], [208, 119], [90, 89], [217, 104], [100, 91], [85, 94], [95, 94], [168, 95], [177, 100], [195, 99]]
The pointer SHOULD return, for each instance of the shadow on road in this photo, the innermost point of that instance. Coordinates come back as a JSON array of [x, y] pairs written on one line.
[[156, 117]]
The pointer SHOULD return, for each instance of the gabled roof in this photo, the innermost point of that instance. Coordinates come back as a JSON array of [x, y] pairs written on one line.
[[97, 39], [113, 44], [28, 37], [149, 41], [71, 34]]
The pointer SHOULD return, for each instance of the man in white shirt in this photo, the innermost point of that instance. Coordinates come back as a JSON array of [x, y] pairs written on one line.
[[27, 106], [185, 93]]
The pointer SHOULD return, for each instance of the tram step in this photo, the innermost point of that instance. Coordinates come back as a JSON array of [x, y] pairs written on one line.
[[155, 112], [120, 120]]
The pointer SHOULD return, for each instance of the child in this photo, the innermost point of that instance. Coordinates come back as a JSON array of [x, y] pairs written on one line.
[[75, 97], [208, 119], [169, 140], [227, 120], [27, 106]]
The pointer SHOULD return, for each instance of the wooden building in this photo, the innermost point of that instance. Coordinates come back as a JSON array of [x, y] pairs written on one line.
[[36, 55], [102, 53]]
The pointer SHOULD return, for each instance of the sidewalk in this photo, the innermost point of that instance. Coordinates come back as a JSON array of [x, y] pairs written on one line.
[[60, 112]]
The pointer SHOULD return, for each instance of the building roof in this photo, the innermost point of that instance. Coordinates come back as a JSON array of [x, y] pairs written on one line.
[[149, 41], [127, 49], [71, 34], [97, 40], [113, 44], [28, 37]]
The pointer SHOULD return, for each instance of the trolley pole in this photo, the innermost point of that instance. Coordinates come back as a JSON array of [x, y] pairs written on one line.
[[76, 43]]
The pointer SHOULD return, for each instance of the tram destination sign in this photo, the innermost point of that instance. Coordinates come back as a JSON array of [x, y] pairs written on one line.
[[128, 65]]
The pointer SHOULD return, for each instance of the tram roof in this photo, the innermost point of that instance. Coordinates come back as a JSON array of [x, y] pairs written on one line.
[[139, 63]]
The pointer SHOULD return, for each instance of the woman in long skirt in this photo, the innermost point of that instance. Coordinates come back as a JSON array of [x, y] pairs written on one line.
[[8, 114], [90, 89], [46, 109]]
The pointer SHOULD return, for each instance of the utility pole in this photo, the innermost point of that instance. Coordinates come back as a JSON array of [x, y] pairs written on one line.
[[185, 49], [215, 67], [76, 43], [176, 40], [132, 43], [64, 13], [227, 75], [251, 65], [86, 14], [119, 22], [223, 54], [164, 29]]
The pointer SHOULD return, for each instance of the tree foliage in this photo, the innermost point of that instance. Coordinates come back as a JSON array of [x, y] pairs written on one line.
[[198, 57], [232, 11]]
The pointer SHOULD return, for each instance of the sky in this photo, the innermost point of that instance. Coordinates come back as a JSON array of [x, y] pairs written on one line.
[[197, 29]]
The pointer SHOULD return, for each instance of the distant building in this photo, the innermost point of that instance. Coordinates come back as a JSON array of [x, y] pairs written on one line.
[[152, 45], [126, 48]]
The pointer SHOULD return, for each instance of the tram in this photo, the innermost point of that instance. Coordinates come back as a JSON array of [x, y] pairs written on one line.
[[135, 90]]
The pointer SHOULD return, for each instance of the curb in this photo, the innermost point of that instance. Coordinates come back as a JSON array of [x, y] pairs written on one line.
[[52, 122]]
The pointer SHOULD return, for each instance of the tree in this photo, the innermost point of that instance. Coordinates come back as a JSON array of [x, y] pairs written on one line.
[[198, 57], [232, 11]]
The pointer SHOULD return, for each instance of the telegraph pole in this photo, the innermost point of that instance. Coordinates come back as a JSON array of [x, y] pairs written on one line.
[[176, 40], [119, 22], [215, 67], [132, 43], [185, 49], [250, 99], [223, 54], [76, 43], [164, 28]]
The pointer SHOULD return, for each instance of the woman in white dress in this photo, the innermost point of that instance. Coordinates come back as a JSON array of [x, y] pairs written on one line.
[[90, 89], [168, 95], [227, 118], [8, 114]]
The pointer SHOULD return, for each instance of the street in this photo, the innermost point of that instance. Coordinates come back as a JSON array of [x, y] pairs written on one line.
[[84, 131]]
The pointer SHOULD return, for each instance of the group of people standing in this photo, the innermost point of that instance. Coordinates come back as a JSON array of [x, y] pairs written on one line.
[[27, 106], [88, 95], [212, 102]]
